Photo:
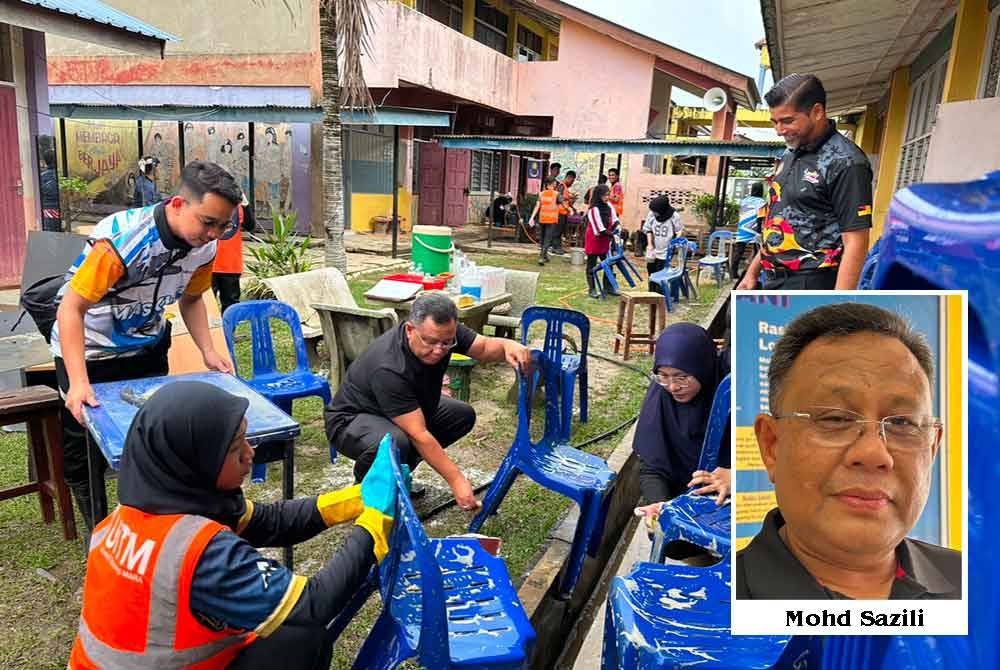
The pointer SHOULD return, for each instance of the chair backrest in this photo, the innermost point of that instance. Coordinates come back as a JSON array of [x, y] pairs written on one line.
[[522, 286], [543, 371], [677, 253], [348, 332], [555, 319], [301, 290], [718, 421], [718, 243], [410, 550], [259, 313]]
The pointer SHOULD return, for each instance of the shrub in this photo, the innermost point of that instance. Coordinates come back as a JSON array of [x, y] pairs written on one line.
[[279, 253], [704, 206], [74, 193]]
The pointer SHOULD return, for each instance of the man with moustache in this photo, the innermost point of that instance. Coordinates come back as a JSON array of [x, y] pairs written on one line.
[[849, 445]]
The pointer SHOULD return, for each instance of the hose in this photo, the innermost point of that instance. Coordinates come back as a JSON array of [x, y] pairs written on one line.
[[434, 511]]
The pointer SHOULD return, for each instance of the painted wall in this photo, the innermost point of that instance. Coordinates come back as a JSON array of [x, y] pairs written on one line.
[[265, 43], [23, 59], [410, 47], [365, 206], [582, 94]]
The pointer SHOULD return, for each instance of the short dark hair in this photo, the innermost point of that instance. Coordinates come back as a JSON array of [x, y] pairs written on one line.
[[547, 180], [437, 307], [571, 173], [557, 166], [49, 158], [603, 179], [615, 170], [155, 135], [757, 189], [801, 91], [840, 320], [201, 177]]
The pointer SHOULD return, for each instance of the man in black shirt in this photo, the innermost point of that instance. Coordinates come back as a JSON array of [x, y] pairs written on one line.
[[395, 387], [819, 211], [849, 445]]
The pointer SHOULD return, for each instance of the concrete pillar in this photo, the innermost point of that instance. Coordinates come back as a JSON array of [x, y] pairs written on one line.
[[865, 136], [723, 124], [965, 60], [469, 18], [512, 34], [892, 144]]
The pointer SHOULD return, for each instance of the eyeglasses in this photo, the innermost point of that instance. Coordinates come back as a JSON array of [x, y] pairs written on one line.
[[225, 229], [433, 344], [837, 428], [680, 381]]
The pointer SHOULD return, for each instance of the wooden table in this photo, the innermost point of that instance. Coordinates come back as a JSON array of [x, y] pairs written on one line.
[[473, 316]]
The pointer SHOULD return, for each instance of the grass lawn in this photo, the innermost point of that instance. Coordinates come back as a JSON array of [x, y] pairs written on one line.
[[41, 574]]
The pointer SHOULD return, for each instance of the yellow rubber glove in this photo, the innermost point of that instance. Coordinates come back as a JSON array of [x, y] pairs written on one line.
[[378, 494], [340, 506]]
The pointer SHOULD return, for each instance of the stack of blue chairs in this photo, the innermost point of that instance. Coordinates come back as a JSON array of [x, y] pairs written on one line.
[[615, 259], [281, 388], [584, 478], [572, 368], [674, 279], [447, 601]]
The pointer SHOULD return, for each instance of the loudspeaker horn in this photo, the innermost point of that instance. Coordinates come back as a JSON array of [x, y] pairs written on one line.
[[714, 99]]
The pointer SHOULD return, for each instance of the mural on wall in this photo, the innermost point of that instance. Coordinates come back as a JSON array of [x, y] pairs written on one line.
[[222, 143], [160, 141], [587, 166], [104, 154], [273, 149]]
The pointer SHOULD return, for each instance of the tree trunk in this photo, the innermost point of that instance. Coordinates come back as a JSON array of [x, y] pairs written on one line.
[[333, 185]]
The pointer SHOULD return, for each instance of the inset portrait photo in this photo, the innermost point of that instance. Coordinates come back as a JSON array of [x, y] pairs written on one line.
[[850, 484]]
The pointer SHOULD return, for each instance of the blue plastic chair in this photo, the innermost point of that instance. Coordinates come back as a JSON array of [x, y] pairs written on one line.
[[717, 256], [677, 616], [945, 236], [572, 367], [446, 601], [674, 279], [584, 478], [615, 259], [696, 518], [279, 387]]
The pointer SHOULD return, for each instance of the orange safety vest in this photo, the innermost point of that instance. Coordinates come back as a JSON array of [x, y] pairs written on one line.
[[618, 198], [567, 195], [229, 253], [137, 593], [548, 210]]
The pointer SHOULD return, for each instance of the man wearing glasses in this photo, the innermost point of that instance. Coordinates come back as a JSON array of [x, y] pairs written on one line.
[[849, 446], [110, 324], [395, 387]]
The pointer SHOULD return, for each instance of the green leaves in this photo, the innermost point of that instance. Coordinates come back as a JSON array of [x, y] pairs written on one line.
[[279, 253]]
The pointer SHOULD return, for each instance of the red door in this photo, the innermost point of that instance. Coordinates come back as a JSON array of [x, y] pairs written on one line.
[[12, 233], [457, 167], [431, 208], [514, 176]]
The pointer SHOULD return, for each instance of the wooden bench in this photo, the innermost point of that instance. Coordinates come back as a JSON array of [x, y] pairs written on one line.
[[39, 407]]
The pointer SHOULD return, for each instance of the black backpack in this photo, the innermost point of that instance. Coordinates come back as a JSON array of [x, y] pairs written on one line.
[[39, 301]]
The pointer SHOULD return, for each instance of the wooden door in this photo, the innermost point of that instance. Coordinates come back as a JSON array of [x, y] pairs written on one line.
[[458, 163], [431, 208], [12, 233]]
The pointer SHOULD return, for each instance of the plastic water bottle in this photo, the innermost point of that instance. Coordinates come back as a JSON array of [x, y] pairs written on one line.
[[471, 285]]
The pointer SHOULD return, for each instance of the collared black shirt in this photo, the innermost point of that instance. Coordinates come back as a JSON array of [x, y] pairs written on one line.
[[817, 192], [767, 570], [388, 380]]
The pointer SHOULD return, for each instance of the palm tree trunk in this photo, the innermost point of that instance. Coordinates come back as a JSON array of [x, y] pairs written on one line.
[[333, 185]]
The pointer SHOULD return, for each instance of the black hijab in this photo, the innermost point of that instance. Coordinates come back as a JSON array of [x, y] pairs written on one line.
[[597, 200], [669, 434], [660, 206], [175, 449]]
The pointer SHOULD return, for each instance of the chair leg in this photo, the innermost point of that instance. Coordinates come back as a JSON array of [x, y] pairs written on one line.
[[54, 449], [621, 323], [652, 326], [43, 474], [665, 290], [596, 529], [577, 553], [609, 647], [494, 496], [629, 317], [383, 648]]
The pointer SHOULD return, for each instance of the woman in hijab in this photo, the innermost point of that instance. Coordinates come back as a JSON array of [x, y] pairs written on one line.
[[601, 224], [174, 577], [674, 417], [662, 225]]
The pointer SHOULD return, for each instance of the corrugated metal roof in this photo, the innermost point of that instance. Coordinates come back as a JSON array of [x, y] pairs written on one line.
[[679, 146], [93, 10]]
